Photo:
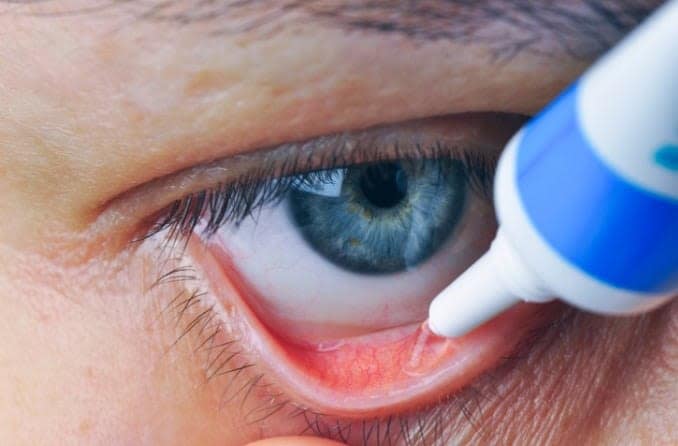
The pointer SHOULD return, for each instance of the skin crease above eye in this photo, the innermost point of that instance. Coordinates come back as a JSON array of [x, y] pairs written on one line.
[[90, 355]]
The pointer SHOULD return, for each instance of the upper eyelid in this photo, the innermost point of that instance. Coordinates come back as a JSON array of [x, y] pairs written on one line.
[[127, 210]]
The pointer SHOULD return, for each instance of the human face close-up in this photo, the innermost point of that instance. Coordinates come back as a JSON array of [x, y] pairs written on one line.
[[224, 221]]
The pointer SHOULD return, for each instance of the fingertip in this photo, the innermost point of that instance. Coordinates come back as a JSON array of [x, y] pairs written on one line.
[[295, 441]]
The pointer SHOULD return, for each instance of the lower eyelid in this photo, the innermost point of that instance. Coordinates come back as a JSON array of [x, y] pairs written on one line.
[[370, 376]]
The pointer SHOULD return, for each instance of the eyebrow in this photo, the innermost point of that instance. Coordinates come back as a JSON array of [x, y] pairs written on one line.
[[581, 29]]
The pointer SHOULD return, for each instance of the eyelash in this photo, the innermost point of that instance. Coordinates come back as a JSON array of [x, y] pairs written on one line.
[[240, 198]]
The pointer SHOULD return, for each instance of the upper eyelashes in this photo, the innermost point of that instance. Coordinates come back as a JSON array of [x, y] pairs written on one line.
[[241, 198], [231, 187]]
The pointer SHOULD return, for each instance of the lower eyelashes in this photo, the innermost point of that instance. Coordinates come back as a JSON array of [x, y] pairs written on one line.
[[385, 217]]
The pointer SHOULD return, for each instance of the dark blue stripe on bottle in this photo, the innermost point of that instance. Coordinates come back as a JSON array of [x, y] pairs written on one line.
[[610, 228]]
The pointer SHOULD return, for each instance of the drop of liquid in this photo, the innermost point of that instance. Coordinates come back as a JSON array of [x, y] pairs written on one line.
[[428, 351], [329, 346]]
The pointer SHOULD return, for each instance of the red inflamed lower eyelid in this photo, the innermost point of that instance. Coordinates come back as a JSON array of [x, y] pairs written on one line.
[[375, 374]]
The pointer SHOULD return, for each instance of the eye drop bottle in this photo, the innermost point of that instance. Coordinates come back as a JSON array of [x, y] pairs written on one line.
[[586, 194]]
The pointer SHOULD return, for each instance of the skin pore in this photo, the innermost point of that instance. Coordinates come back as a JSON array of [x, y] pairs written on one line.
[[101, 105]]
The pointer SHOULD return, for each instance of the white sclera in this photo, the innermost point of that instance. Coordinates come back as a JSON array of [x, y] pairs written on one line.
[[309, 299]]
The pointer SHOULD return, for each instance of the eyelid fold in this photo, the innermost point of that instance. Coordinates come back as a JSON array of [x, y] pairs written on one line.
[[138, 210]]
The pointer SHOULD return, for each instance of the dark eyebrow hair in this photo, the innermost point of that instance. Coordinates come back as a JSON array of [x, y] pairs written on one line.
[[581, 29]]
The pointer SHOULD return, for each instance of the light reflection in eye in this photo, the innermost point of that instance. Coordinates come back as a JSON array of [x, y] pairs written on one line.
[[323, 267]]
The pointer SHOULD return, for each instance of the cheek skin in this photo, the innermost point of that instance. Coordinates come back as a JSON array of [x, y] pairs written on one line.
[[606, 381], [87, 355]]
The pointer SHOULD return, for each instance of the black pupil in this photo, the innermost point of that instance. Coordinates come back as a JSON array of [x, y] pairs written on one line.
[[384, 184]]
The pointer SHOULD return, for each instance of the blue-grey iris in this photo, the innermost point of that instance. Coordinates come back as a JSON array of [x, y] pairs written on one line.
[[386, 217]]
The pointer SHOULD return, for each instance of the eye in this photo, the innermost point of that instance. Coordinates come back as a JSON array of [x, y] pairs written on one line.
[[324, 260], [363, 248]]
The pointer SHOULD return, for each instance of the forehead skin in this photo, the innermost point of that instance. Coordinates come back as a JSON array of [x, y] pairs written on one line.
[[100, 97]]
